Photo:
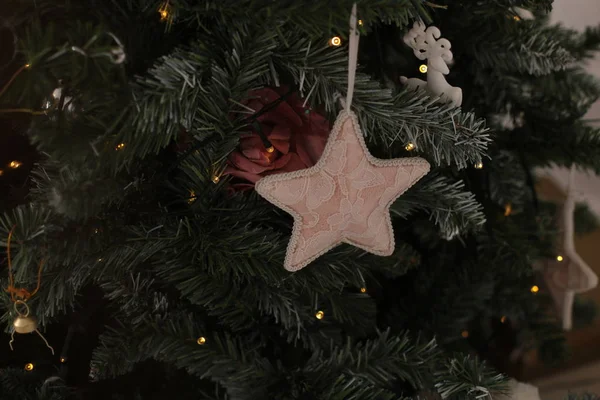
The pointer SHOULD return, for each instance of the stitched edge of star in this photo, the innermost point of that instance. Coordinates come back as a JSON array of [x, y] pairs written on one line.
[[337, 127]]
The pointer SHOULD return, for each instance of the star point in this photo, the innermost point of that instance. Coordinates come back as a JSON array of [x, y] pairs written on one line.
[[344, 198]]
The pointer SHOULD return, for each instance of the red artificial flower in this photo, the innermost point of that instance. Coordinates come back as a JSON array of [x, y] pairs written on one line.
[[297, 134]]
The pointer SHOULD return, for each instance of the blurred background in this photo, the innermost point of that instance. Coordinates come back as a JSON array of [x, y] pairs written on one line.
[[582, 371]]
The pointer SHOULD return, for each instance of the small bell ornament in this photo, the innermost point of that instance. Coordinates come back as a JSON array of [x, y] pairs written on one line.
[[24, 323]]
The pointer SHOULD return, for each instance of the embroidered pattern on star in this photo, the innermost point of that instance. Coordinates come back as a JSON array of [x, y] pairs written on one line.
[[344, 198]]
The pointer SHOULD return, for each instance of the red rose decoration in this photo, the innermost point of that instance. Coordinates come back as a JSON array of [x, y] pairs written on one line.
[[297, 134]]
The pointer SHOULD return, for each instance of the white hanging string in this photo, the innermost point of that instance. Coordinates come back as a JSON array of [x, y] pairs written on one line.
[[572, 191], [571, 183], [352, 57]]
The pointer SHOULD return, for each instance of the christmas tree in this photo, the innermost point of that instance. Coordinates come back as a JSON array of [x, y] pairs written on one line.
[[163, 129]]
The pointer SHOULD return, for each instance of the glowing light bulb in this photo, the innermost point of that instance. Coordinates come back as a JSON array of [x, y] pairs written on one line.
[[14, 164], [507, 209], [559, 258], [410, 146], [363, 290], [216, 179], [320, 315], [360, 22], [192, 197], [63, 360], [201, 340], [479, 165], [464, 334], [335, 41], [535, 289], [270, 149], [503, 319], [1, 172], [29, 367], [120, 146], [27, 65], [423, 68], [164, 11], [516, 18]]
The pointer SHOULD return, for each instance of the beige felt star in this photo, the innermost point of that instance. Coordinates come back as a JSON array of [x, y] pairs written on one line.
[[568, 274], [344, 198]]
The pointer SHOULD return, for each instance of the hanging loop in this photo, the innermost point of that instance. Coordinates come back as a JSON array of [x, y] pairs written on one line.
[[352, 57], [21, 313]]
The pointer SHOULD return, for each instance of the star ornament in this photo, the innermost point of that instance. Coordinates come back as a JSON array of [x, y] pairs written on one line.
[[344, 198], [567, 274]]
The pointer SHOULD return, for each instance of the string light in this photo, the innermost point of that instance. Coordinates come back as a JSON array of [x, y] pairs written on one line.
[[516, 18], [503, 319], [15, 164], [559, 258], [320, 315], [100, 259], [1, 172], [29, 367], [27, 66], [360, 22], [192, 197], [535, 289], [423, 68], [96, 230], [464, 334], [479, 165], [363, 290], [120, 146], [164, 11], [410, 146], [63, 360], [201, 340], [216, 179], [270, 149], [335, 41], [507, 209]]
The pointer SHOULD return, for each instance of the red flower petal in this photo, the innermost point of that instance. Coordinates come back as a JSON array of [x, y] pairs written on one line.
[[247, 176], [245, 165], [298, 137], [280, 132], [280, 139]]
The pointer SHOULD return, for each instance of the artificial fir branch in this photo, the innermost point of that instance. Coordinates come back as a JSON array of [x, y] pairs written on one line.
[[175, 266]]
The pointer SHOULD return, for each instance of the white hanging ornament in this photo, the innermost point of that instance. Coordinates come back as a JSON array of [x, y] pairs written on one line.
[[567, 274], [54, 102], [520, 391], [426, 44], [522, 13]]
